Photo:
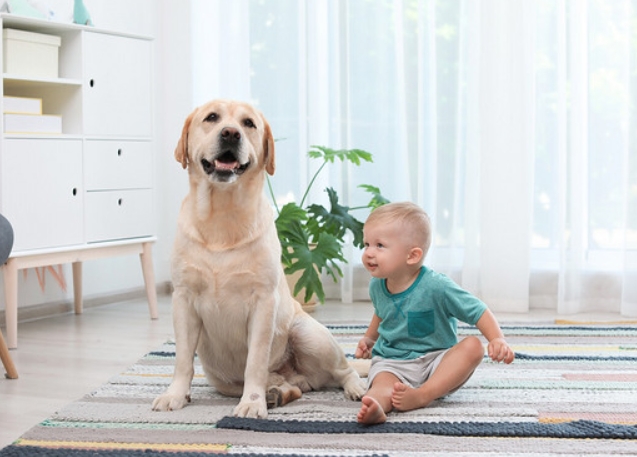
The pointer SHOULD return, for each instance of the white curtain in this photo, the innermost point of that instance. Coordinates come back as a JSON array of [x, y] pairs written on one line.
[[513, 123]]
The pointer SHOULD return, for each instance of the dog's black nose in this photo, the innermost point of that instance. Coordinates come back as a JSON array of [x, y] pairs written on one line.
[[230, 135]]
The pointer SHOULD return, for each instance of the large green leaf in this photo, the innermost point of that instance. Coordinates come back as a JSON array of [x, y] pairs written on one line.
[[377, 198], [311, 256], [336, 221], [312, 260], [354, 156], [289, 226]]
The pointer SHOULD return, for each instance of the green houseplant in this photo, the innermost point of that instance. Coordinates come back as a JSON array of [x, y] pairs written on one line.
[[312, 236]]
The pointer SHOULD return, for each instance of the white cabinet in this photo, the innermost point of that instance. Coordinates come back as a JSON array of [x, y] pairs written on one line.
[[104, 154], [86, 192]]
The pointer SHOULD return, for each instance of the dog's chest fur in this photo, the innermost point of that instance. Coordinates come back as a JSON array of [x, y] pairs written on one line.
[[223, 261]]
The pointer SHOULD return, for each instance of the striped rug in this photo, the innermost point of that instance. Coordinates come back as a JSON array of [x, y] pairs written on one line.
[[571, 391]]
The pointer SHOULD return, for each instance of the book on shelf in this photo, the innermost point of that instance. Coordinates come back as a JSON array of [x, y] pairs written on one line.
[[32, 123], [21, 105]]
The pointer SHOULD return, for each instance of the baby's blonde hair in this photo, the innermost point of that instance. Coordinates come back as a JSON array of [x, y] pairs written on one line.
[[411, 217]]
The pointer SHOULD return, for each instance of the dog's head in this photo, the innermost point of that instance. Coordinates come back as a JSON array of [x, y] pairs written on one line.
[[224, 139]]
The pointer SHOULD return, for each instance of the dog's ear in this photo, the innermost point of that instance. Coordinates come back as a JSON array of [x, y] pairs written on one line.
[[181, 151], [268, 148]]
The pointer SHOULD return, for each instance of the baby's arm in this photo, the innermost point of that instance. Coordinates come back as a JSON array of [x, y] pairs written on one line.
[[498, 349], [365, 345]]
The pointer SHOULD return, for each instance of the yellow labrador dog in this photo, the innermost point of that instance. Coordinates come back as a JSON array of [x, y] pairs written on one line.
[[231, 303]]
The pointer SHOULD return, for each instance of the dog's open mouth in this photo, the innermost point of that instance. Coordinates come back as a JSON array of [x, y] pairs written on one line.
[[225, 164]]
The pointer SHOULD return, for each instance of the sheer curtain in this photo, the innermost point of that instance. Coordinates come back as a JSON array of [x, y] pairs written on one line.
[[512, 123]]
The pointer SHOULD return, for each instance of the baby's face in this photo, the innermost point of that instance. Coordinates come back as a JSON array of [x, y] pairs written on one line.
[[386, 249]]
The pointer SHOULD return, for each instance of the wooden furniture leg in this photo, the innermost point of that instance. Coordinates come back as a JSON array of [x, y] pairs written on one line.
[[10, 273], [12, 373], [146, 258], [77, 287]]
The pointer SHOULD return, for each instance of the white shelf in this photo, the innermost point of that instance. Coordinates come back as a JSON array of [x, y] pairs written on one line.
[[42, 26], [42, 136], [84, 247], [16, 81]]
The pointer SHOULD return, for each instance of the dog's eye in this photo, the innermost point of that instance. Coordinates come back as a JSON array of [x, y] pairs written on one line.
[[212, 117], [248, 123]]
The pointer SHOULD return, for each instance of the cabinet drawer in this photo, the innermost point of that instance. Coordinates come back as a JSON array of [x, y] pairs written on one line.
[[118, 165], [114, 215]]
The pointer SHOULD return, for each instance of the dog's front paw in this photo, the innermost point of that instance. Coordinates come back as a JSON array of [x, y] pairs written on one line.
[[354, 388], [170, 402], [255, 407]]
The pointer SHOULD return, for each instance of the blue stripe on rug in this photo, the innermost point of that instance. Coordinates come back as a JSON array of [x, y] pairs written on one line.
[[581, 429], [30, 451], [587, 358], [518, 356], [592, 329], [161, 354]]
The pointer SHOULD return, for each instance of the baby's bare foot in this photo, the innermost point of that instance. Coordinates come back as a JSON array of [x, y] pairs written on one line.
[[371, 412], [405, 398]]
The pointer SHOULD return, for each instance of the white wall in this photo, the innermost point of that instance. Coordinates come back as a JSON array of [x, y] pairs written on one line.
[[168, 21]]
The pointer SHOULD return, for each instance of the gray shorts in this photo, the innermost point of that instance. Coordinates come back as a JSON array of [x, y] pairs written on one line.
[[413, 372]]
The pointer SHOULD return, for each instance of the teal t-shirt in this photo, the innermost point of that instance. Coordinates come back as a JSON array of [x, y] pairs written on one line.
[[423, 318]]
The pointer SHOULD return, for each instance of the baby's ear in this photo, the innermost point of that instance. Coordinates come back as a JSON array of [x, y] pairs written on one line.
[[415, 256]]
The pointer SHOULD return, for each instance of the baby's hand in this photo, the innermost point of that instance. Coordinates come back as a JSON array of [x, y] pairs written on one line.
[[364, 348], [499, 351]]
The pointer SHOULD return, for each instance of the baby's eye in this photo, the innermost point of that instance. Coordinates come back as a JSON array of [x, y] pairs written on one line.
[[380, 245]]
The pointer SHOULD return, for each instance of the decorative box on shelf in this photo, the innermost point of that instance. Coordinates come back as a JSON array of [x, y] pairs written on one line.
[[32, 123], [24, 115], [30, 54], [21, 105]]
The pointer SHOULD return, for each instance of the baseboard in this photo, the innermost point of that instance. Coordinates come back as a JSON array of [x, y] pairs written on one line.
[[44, 310]]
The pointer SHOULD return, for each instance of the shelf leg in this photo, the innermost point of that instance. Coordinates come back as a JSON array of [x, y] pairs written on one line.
[[146, 258], [10, 273], [77, 287]]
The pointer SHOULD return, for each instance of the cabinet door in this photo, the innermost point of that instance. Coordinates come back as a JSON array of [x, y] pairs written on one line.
[[42, 192], [117, 86]]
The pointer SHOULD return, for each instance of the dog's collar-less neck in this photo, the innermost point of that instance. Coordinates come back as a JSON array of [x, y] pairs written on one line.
[[217, 229], [229, 245]]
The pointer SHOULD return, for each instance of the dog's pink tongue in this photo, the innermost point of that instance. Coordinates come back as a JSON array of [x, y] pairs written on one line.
[[226, 165]]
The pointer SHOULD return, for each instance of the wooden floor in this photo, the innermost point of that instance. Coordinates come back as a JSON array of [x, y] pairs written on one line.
[[61, 358]]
